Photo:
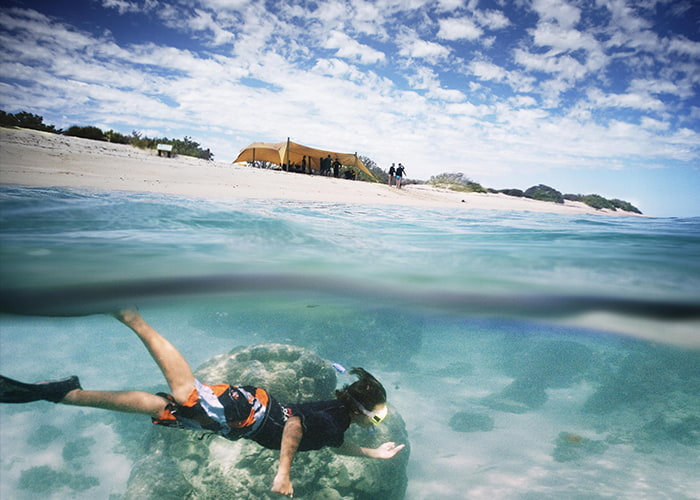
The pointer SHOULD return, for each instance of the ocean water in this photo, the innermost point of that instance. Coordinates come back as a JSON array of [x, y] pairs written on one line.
[[532, 356]]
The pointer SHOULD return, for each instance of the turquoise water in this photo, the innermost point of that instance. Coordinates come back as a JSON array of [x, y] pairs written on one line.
[[576, 337]]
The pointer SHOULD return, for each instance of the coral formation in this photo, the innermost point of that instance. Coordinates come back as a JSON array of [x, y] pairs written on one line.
[[471, 422], [571, 446]]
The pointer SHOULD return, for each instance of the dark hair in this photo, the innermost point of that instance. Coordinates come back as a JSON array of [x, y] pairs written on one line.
[[367, 391]]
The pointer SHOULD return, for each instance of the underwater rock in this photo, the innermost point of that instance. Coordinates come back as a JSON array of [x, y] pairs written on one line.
[[536, 367], [571, 446], [684, 430], [454, 370], [77, 448], [547, 363], [471, 422], [43, 436], [530, 392], [520, 396], [43, 479], [182, 464], [649, 397], [644, 377]]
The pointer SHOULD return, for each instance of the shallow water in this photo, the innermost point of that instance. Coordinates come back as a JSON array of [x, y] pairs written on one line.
[[576, 337]]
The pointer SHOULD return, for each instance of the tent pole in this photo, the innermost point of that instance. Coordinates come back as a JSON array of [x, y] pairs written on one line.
[[287, 153]]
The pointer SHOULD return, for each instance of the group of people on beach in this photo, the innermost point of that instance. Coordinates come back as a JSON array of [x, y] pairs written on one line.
[[396, 174], [327, 167]]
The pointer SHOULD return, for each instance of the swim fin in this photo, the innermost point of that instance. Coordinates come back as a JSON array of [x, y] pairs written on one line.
[[13, 391]]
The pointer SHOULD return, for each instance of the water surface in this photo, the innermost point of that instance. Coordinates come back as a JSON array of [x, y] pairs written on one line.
[[575, 338]]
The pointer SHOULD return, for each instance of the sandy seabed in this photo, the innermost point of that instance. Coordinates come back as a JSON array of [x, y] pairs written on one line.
[[33, 158]]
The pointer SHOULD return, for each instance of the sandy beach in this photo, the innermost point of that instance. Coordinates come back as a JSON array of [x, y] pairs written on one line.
[[33, 158]]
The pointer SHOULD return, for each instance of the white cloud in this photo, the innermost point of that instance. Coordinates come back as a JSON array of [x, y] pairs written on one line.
[[683, 46], [426, 79], [461, 28], [562, 40], [492, 19], [336, 68], [351, 49], [654, 125], [523, 101], [563, 13], [203, 21], [564, 67], [488, 71], [413, 47], [122, 6], [641, 101]]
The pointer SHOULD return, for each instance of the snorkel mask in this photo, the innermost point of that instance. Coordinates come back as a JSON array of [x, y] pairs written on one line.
[[375, 417]]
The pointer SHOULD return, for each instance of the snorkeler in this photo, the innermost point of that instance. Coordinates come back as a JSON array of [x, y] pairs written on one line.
[[231, 411]]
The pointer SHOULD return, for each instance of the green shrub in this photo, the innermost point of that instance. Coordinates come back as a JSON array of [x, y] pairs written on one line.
[[25, 120], [512, 192], [544, 193], [117, 137], [456, 182], [597, 202], [625, 205], [88, 132]]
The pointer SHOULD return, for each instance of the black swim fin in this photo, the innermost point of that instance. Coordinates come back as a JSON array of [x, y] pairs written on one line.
[[13, 391]]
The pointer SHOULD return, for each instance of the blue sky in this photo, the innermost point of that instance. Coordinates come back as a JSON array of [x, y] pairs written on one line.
[[593, 96]]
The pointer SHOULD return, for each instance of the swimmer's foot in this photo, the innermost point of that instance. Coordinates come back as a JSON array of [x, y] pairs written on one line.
[[13, 391]]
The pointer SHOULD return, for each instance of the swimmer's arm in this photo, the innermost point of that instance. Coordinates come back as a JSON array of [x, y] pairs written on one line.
[[291, 437], [386, 450]]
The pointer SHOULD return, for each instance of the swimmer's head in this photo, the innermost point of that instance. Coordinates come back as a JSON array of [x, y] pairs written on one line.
[[366, 396]]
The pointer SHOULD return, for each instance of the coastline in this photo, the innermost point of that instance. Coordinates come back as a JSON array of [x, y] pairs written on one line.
[[41, 159]]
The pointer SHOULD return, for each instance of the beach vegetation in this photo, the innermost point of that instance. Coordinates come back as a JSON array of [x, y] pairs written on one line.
[[519, 193], [456, 182], [268, 165], [625, 205], [544, 193], [599, 202], [185, 146], [117, 137], [88, 132], [25, 120], [379, 174]]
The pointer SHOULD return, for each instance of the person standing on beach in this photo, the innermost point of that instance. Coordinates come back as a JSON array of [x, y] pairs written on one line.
[[399, 175], [392, 171], [231, 411], [336, 168]]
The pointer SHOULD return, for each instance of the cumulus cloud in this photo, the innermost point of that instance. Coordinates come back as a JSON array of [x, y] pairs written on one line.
[[492, 19], [411, 46], [559, 11], [351, 49], [461, 28], [641, 101]]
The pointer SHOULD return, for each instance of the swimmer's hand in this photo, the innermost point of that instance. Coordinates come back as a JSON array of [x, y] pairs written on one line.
[[386, 450], [283, 485], [127, 315]]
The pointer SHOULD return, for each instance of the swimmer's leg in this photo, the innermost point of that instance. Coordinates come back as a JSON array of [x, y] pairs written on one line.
[[175, 368], [125, 401], [68, 391]]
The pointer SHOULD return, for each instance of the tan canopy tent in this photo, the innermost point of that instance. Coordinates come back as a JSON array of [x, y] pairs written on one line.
[[291, 153]]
